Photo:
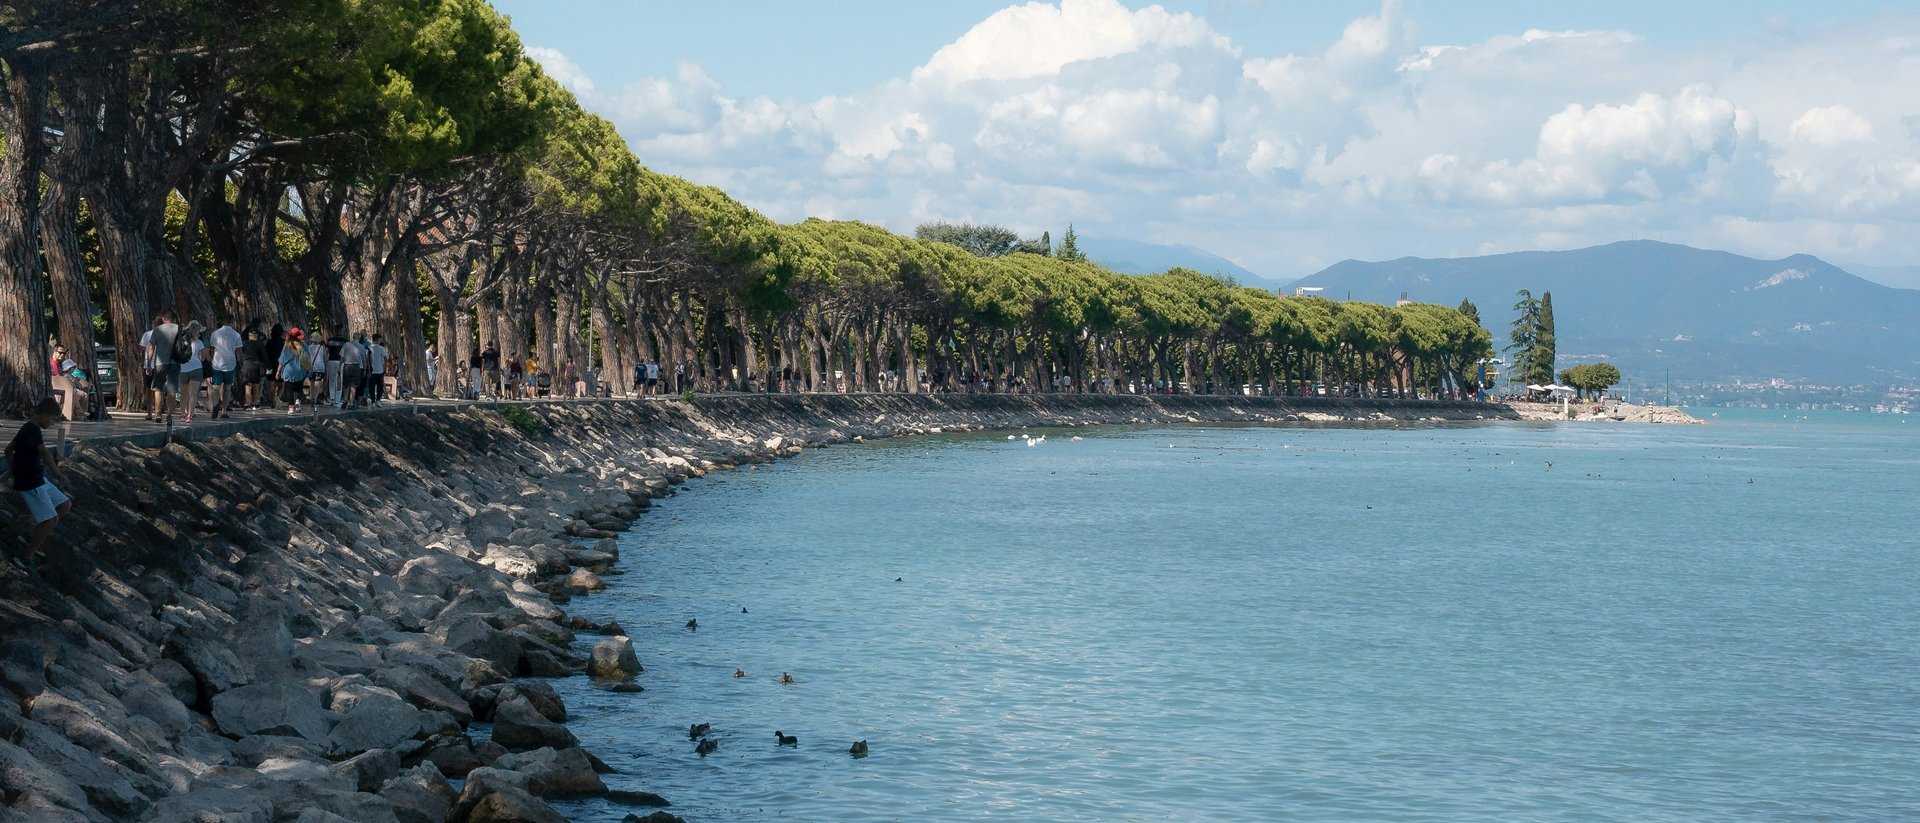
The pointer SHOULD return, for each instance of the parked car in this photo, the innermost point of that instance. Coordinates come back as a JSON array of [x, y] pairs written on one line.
[[106, 378]]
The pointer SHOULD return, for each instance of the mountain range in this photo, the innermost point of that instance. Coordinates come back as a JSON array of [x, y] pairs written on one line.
[[1136, 257], [1648, 307]]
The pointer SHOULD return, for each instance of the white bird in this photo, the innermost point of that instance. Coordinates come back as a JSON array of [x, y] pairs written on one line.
[[1076, 438], [1009, 437]]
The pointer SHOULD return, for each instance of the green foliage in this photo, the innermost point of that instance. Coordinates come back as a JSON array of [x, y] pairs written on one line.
[[1591, 378], [981, 241], [1070, 248], [520, 417], [1540, 360]]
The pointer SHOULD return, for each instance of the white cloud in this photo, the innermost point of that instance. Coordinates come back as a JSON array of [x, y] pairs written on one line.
[[562, 69], [1151, 124], [1832, 126], [1038, 40]]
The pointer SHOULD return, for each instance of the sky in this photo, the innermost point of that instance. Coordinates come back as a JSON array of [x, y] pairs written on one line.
[[1284, 135]]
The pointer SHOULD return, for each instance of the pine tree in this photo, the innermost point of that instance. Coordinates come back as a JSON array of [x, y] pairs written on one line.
[[1520, 338], [1471, 311], [1541, 359], [1070, 248]]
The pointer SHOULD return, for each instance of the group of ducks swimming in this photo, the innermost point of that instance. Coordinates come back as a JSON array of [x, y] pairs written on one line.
[[700, 732], [706, 745]]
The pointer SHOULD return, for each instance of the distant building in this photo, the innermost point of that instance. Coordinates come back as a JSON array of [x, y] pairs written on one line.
[[1403, 301], [1308, 291]]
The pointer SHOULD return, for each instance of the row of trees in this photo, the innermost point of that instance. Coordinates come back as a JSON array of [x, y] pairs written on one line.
[[401, 166]]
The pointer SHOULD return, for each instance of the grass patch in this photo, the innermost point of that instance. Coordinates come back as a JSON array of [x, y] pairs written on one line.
[[522, 419]]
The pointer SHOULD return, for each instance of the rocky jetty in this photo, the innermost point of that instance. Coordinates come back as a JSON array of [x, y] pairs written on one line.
[[312, 622]]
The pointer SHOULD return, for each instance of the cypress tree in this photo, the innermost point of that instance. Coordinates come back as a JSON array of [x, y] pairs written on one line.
[[1542, 357]]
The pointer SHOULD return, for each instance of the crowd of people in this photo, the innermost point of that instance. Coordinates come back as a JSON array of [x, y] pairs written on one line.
[[187, 369]]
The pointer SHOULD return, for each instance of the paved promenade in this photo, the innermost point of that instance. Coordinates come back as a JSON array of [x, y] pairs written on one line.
[[133, 427]]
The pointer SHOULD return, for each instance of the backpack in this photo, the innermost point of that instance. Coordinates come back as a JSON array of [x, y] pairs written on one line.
[[182, 348]]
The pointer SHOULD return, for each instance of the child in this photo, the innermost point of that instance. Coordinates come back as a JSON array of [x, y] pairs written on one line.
[[31, 463]]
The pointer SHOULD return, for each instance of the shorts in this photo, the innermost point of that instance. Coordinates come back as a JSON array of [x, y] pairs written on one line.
[[44, 502], [223, 378], [166, 377]]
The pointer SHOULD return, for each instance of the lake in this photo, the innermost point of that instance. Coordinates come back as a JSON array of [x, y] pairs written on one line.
[[1504, 621]]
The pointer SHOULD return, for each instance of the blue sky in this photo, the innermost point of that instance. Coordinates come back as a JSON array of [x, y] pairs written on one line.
[[1284, 135]]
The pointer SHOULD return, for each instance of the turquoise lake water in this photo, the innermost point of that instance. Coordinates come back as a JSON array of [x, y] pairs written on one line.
[[1286, 623]]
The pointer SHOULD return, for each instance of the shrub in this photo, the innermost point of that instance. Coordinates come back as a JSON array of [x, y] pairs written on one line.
[[522, 419]]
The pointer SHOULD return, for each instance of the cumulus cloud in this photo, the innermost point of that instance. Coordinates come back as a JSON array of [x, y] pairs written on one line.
[[1831, 126], [1157, 125], [562, 69]]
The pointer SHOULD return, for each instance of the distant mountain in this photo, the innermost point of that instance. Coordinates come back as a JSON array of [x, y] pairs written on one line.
[[1135, 257], [1647, 306], [1899, 277]]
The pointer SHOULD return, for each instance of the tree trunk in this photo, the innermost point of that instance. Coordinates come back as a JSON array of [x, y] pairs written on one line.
[[23, 353], [67, 272]]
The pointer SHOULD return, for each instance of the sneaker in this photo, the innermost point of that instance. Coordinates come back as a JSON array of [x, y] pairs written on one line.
[[188, 418], [290, 409]]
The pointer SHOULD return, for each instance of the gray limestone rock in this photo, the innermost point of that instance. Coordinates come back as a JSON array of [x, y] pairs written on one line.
[[542, 695], [585, 581], [271, 708], [424, 691], [555, 772], [420, 795], [378, 721], [34, 784], [491, 524], [472, 636], [519, 727], [511, 805], [253, 750], [159, 705], [614, 657], [370, 770], [178, 681]]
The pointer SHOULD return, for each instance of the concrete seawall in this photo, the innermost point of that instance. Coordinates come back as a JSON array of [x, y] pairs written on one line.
[[307, 622]]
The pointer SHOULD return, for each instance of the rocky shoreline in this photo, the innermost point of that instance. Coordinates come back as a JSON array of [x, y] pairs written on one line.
[[336, 621]]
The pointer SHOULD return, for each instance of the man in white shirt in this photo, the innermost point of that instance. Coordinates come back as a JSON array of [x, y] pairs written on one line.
[[377, 365], [225, 342], [353, 359]]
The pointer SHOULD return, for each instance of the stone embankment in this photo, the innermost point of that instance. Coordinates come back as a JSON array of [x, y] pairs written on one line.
[[336, 621], [1610, 412]]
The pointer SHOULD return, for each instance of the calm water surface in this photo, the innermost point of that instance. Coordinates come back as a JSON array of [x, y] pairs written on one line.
[[1494, 622]]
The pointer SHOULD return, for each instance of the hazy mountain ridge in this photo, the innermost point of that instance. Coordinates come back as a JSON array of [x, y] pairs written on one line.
[[1136, 257], [1647, 305]]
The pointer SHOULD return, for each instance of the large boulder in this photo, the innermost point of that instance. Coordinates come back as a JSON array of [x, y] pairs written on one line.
[[555, 772], [440, 574], [518, 726], [270, 708], [492, 524], [456, 755], [614, 657], [159, 705], [542, 695], [474, 637], [511, 805], [425, 691], [420, 795], [378, 721], [371, 770]]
